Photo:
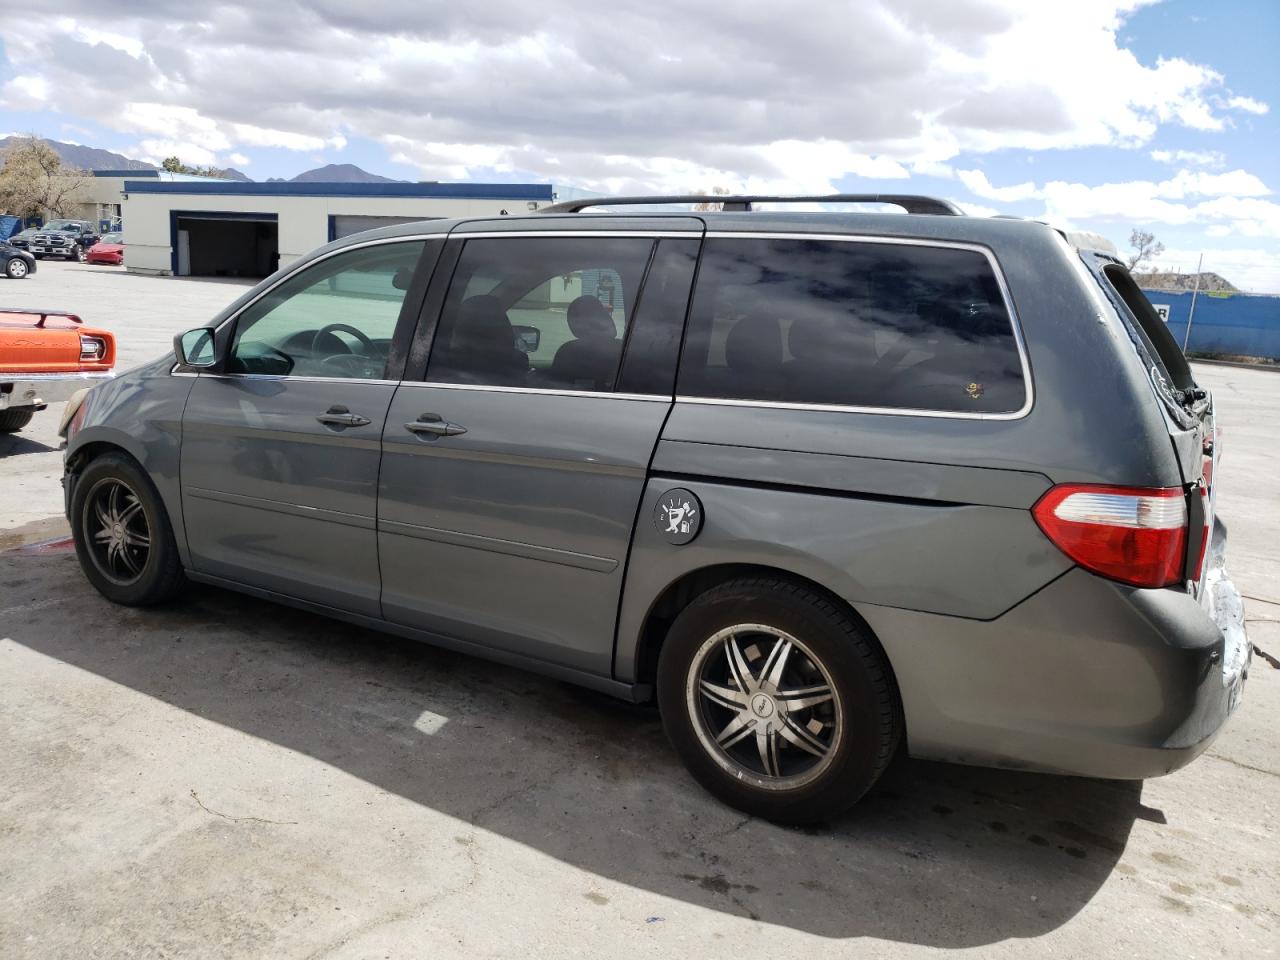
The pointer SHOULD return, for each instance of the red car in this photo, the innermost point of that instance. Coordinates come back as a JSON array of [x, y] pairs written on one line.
[[110, 249], [43, 363]]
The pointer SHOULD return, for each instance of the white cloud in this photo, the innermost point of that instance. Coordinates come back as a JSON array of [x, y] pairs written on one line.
[[979, 185], [239, 160], [1249, 268], [795, 102], [1199, 158], [976, 209], [1247, 104], [156, 151], [1225, 204]]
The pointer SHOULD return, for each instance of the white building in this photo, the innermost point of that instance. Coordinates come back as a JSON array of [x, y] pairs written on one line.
[[228, 228]]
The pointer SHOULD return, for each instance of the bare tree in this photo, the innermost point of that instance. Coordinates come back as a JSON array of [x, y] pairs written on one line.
[[711, 204], [1145, 247], [35, 182]]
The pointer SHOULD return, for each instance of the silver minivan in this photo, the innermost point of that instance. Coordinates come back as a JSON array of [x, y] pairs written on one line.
[[826, 486]]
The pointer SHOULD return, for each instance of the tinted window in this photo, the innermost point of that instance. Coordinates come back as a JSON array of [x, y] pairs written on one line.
[[335, 319], [544, 312], [851, 324], [653, 343]]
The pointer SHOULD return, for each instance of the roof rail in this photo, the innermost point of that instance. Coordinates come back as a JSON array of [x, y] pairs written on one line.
[[908, 202]]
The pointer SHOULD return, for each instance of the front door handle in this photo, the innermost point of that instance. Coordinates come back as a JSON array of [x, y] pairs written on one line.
[[434, 425], [340, 416]]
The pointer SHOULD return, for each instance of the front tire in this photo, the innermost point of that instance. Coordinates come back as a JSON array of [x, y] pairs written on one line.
[[16, 269], [13, 420], [778, 700], [123, 537]]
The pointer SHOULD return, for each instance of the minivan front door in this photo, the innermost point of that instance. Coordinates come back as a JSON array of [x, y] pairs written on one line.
[[511, 476], [280, 451]]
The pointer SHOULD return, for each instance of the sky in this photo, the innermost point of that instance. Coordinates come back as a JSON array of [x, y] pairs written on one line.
[[1102, 115]]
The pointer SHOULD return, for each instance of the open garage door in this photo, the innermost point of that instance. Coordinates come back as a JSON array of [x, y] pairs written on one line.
[[343, 225], [225, 244]]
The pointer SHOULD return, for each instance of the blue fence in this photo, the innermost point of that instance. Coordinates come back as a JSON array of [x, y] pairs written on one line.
[[1241, 324], [9, 226]]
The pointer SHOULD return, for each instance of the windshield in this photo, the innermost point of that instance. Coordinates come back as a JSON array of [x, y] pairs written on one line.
[[63, 225], [112, 238]]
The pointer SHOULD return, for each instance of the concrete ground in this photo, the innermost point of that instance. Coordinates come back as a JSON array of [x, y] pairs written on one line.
[[228, 778]]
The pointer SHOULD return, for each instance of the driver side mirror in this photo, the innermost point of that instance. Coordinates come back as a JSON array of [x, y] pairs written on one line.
[[195, 348], [527, 338]]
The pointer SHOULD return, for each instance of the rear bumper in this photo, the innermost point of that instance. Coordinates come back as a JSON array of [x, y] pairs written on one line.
[[1086, 677], [40, 389]]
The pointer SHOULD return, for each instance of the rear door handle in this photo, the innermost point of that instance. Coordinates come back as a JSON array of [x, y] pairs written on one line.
[[434, 425], [340, 416]]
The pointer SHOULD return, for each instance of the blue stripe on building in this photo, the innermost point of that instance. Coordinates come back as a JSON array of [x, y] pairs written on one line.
[[443, 191]]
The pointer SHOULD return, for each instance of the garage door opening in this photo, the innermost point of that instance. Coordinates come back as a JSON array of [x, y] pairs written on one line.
[[225, 245]]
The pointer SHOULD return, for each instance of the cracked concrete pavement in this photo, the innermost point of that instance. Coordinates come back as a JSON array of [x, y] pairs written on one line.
[[223, 777]]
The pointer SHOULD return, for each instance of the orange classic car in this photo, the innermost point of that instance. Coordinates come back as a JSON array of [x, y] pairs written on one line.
[[45, 357]]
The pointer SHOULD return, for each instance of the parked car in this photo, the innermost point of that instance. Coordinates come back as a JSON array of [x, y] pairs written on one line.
[[69, 239], [857, 502], [109, 250], [14, 263], [42, 362], [22, 239]]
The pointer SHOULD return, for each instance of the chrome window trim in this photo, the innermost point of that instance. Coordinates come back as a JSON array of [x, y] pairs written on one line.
[[293, 379], [1023, 359], [546, 391]]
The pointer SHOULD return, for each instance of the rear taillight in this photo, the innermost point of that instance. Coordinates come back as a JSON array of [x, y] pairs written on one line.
[[1137, 535], [92, 348]]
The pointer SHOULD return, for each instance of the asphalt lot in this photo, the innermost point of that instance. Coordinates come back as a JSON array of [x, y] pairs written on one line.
[[228, 778]]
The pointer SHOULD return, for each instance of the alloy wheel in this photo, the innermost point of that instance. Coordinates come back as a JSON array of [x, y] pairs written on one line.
[[17, 268], [116, 531], [764, 706]]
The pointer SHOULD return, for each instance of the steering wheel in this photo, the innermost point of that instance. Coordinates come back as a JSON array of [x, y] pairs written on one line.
[[365, 343]]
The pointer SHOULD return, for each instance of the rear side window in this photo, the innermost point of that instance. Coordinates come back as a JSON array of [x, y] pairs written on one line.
[[1159, 340], [851, 324]]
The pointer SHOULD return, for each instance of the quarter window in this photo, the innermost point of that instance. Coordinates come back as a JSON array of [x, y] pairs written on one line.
[[851, 324], [539, 312], [334, 319]]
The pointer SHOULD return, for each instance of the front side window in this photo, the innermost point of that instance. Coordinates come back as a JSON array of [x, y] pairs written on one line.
[[539, 312], [334, 319], [851, 324]]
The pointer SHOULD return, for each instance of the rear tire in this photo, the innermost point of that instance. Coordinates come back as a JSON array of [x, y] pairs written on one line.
[[16, 269], [11, 421], [123, 537], [778, 700], [78, 254]]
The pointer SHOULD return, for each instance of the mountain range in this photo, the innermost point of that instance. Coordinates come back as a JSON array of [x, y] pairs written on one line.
[[92, 158]]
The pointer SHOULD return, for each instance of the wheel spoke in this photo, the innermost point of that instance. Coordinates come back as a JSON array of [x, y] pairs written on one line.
[[137, 539], [738, 667], [131, 564], [804, 696], [798, 736], [723, 696], [100, 512], [771, 672], [132, 510], [113, 503], [736, 729], [103, 536], [767, 745]]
